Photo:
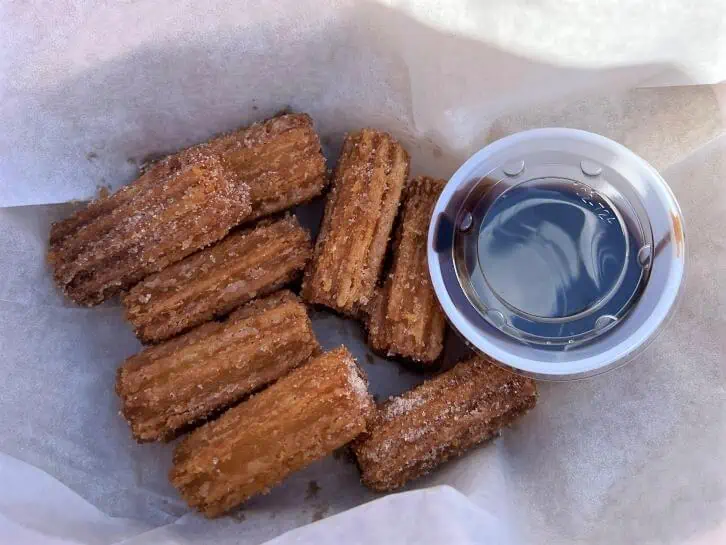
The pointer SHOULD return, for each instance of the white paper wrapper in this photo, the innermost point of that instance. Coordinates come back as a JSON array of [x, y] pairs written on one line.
[[90, 90]]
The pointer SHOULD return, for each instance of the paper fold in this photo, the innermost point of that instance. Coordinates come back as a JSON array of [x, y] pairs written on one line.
[[629, 457]]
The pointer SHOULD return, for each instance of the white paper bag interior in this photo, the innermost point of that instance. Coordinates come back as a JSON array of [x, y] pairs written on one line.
[[89, 92]]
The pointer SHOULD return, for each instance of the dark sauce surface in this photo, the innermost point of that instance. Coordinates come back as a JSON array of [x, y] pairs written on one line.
[[551, 249]]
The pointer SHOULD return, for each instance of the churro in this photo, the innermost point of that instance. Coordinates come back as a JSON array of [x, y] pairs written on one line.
[[441, 419], [359, 216], [305, 416], [216, 280], [405, 318], [141, 229], [171, 386]]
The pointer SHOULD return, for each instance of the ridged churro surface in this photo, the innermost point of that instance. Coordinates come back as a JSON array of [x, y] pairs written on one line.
[[280, 159], [170, 386], [144, 227], [305, 416], [442, 418], [216, 280], [405, 318], [359, 216]]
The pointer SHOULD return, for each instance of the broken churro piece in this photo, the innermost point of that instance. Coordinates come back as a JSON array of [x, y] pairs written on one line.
[[215, 281], [359, 215], [141, 234], [405, 318], [442, 418], [304, 416], [168, 387]]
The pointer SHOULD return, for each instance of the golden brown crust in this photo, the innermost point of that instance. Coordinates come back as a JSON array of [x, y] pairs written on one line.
[[214, 281], [143, 229], [170, 211], [442, 418], [305, 416], [280, 159], [104, 205], [359, 216], [168, 387], [405, 318]]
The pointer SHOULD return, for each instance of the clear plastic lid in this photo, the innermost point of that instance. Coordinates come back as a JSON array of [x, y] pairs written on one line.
[[557, 252]]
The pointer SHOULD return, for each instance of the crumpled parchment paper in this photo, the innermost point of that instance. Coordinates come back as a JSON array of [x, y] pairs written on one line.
[[92, 89]]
